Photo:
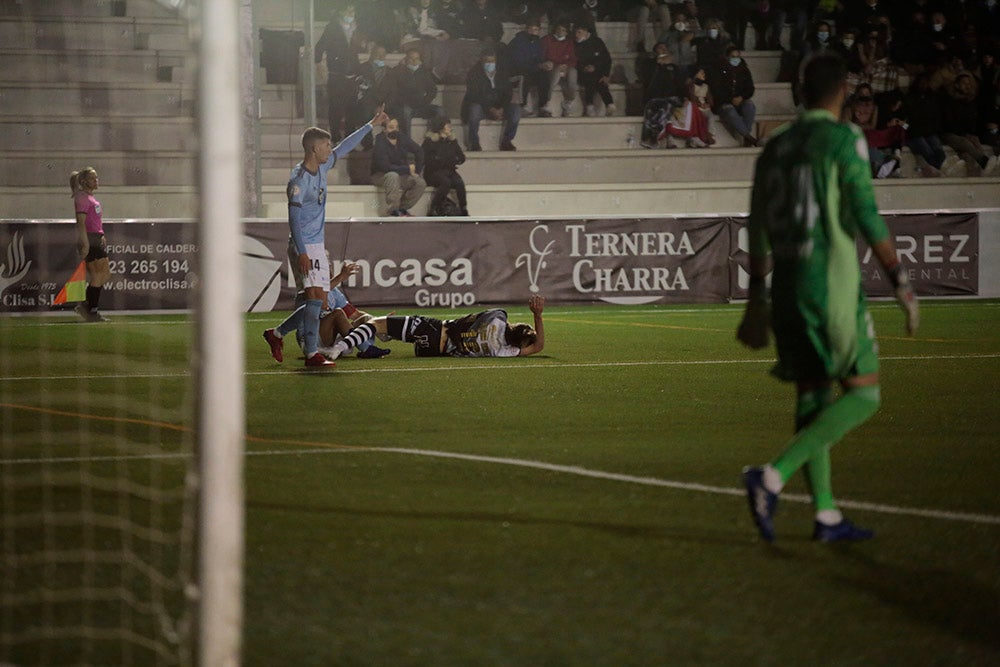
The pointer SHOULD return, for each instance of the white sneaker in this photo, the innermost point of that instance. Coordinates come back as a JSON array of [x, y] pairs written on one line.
[[887, 168], [992, 166], [609, 110], [952, 165], [333, 352], [565, 108], [591, 110], [695, 142]]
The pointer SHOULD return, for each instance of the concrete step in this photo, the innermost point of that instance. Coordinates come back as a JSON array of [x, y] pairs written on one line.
[[284, 101], [136, 99], [104, 34], [90, 66], [90, 8], [615, 199], [32, 168], [96, 133], [117, 201]]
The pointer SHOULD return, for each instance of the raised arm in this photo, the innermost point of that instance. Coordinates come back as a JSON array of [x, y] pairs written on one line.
[[536, 304]]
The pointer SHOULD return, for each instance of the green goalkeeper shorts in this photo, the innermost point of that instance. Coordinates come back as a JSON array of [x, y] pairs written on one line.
[[811, 347]]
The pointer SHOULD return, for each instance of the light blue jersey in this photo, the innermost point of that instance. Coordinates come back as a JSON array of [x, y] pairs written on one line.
[[307, 194]]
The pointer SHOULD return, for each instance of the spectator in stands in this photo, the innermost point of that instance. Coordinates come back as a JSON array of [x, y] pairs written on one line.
[[883, 143], [690, 120], [987, 17], [560, 64], [848, 48], [913, 49], [659, 74], [679, 38], [524, 58], [482, 21], [877, 67], [341, 51], [863, 13], [923, 112], [643, 13], [488, 95], [423, 23], [961, 124], [820, 41], [442, 156], [733, 88], [397, 162], [372, 82], [987, 75], [447, 16], [946, 75], [410, 91], [710, 46], [944, 40], [593, 67], [376, 20], [590, 12]]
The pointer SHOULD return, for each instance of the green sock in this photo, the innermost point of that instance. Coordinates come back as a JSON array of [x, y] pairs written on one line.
[[829, 426], [817, 469]]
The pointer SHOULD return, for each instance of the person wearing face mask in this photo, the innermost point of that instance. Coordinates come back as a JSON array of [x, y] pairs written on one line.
[[847, 47], [593, 68], [410, 91], [559, 55], [944, 41], [339, 45], [397, 165], [482, 21], [680, 40], [488, 94], [524, 59], [819, 41], [372, 82], [442, 156], [732, 88], [710, 46]]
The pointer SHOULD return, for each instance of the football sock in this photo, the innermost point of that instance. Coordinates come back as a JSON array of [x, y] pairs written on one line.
[[832, 423], [829, 517], [310, 326], [291, 323], [357, 336], [817, 469], [93, 297]]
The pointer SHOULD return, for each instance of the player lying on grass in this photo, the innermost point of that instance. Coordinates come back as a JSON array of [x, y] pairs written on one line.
[[338, 318], [483, 334]]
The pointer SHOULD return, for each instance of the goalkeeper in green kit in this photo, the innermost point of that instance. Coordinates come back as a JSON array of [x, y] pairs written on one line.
[[812, 194]]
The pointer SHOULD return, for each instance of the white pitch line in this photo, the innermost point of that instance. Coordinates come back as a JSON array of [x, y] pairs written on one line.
[[289, 370], [945, 515]]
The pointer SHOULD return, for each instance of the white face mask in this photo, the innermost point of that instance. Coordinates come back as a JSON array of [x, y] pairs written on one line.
[[848, 43], [713, 33], [823, 36], [735, 61], [679, 26], [559, 38], [938, 27]]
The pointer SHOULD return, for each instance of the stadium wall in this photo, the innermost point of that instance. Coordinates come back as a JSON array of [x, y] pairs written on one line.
[[457, 262]]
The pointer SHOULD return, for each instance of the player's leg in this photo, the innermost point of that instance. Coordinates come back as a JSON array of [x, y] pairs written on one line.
[[315, 283]]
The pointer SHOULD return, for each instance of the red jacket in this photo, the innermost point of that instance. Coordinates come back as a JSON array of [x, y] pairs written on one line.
[[560, 53]]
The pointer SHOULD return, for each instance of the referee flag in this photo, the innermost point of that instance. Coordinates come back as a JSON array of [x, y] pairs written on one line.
[[75, 288]]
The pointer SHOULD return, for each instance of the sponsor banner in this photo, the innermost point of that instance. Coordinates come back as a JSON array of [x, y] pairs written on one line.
[[460, 264], [940, 251], [152, 264]]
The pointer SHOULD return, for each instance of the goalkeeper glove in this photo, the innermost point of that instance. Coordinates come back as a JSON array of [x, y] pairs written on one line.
[[907, 300], [754, 330]]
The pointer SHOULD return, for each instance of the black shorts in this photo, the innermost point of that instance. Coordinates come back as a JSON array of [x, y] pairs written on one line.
[[423, 332], [98, 247]]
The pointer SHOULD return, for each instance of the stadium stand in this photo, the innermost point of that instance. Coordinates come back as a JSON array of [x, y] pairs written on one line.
[[129, 113]]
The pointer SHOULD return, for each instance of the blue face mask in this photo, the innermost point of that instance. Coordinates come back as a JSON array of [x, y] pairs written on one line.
[[413, 68], [490, 67], [378, 63], [713, 33], [822, 36], [735, 61]]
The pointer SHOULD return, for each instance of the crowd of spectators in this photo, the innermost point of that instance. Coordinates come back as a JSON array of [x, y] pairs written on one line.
[[923, 72]]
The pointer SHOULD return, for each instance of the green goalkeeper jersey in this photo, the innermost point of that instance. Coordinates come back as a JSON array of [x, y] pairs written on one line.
[[812, 195]]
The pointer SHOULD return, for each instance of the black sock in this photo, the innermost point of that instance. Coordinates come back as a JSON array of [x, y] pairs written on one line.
[[93, 296], [359, 335]]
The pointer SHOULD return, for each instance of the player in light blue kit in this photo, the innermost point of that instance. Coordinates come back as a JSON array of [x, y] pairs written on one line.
[[307, 222]]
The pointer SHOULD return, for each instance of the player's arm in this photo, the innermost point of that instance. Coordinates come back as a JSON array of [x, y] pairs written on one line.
[[352, 140], [754, 329], [295, 226], [859, 195], [536, 304], [350, 268], [82, 242]]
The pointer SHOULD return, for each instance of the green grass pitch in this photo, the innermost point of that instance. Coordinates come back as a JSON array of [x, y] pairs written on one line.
[[580, 507]]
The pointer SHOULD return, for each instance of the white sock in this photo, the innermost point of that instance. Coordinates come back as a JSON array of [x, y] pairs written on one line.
[[829, 517], [341, 346], [772, 479]]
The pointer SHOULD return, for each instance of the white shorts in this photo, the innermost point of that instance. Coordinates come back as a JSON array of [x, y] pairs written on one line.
[[319, 267]]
